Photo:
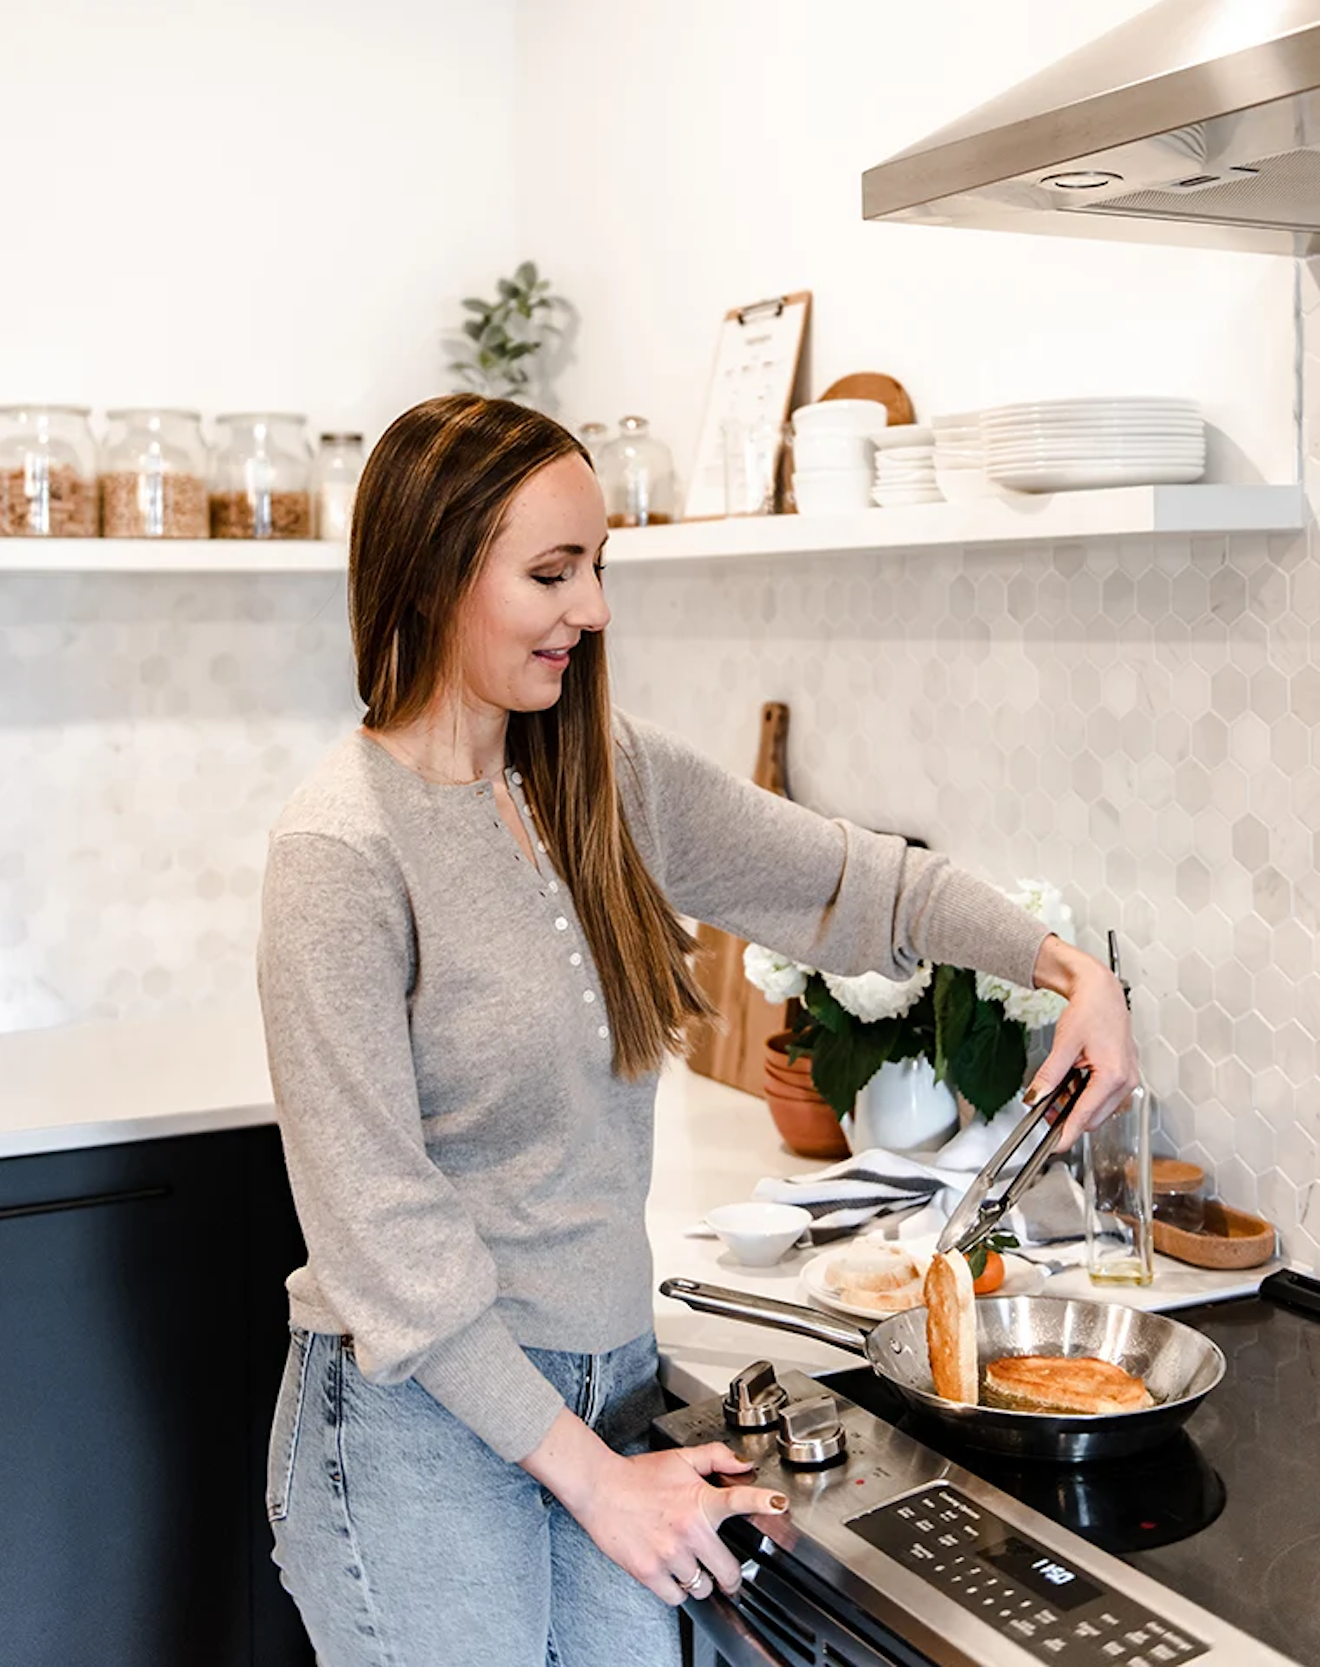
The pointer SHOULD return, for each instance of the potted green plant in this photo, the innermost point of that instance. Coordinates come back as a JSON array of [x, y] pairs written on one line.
[[893, 1054], [507, 332]]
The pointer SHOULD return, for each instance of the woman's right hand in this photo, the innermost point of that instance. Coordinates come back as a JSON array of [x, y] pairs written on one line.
[[655, 1514]]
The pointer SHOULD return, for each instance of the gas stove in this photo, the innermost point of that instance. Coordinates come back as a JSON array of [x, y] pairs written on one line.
[[901, 1548]]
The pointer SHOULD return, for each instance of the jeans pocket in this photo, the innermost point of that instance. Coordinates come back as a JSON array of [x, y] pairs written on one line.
[[286, 1425]]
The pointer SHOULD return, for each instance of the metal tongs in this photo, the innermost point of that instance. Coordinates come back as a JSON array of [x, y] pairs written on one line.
[[977, 1215]]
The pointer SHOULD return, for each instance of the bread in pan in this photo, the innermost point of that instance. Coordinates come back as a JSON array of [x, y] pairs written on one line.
[[1058, 1383], [951, 1327]]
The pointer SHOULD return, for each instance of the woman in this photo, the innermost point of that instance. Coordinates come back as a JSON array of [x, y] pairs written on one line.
[[471, 968]]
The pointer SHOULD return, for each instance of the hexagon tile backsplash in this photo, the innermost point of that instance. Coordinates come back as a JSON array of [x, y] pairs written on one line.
[[150, 729], [1140, 722]]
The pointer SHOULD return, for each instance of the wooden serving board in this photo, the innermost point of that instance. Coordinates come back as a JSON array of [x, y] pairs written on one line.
[[733, 1051]]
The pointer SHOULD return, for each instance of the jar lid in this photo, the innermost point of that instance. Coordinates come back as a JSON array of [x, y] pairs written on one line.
[[632, 425], [262, 417], [46, 410], [1172, 1175], [126, 411], [341, 438], [594, 429]]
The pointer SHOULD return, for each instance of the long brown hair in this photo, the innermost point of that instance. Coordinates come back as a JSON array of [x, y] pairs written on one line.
[[430, 503]]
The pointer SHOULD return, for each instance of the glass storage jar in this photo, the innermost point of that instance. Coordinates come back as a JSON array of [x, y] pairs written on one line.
[[153, 475], [1179, 1193], [338, 469], [261, 476], [47, 472], [638, 477]]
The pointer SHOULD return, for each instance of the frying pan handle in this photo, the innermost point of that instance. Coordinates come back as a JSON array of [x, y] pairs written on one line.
[[783, 1316]]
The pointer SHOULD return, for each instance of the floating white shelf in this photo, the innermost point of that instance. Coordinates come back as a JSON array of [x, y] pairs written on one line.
[[1116, 512], [171, 555]]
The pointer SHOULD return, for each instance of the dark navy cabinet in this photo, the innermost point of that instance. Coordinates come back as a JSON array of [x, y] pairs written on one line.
[[142, 1336]]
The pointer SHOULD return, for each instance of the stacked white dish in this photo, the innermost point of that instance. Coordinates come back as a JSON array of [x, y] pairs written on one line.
[[832, 451], [1061, 445], [960, 458], [905, 467]]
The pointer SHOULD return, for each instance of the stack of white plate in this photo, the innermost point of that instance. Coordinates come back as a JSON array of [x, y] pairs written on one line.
[[905, 467], [832, 450], [1060, 445], [960, 458]]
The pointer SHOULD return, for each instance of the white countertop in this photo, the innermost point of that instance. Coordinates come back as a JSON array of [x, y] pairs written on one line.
[[100, 1084], [104, 1083]]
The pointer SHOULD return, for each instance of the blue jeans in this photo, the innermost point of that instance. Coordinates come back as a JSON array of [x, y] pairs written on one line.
[[407, 1542]]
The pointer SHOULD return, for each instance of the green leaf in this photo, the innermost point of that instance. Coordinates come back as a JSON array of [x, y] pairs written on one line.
[[507, 289], [473, 327], [822, 1006], [472, 304], [989, 1064], [954, 996], [520, 350], [526, 274], [844, 1061]]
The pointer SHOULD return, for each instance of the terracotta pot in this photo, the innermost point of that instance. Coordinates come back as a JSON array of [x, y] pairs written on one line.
[[806, 1124]]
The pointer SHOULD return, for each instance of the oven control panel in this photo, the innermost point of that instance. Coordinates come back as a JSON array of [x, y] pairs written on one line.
[[1025, 1591]]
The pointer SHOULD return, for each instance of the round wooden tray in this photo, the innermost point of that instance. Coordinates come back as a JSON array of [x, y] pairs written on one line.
[[1228, 1239]]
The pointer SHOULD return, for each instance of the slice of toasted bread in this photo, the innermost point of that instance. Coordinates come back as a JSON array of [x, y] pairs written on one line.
[[876, 1268], [896, 1301], [951, 1327], [1058, 1383]]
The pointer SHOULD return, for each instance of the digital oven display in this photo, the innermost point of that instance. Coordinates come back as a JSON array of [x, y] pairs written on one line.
[[1040, 1573]]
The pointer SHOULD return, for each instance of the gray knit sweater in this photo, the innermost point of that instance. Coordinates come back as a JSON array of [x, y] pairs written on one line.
[[469, 1172]]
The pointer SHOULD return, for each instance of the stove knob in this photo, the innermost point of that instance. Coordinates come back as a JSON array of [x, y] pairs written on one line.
[[811, 1434], [754, 1399]]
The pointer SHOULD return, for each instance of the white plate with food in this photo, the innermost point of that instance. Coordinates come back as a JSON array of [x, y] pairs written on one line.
[[870, 1278]]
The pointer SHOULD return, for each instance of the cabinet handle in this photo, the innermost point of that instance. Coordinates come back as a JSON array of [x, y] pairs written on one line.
[[93, 1200]]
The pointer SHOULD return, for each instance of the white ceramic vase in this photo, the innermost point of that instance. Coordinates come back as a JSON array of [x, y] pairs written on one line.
[[903, 1109]]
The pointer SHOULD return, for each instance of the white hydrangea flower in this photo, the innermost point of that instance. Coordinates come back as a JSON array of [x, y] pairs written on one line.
[[774, 975], [870, 996], [1036, 1009]]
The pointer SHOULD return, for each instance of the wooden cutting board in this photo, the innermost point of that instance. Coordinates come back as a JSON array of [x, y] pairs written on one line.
[[733, 1052]]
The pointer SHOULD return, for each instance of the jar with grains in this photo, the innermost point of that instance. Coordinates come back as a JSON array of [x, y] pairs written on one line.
[[338, 469], [47, 472], [261, 477], [637, 476], [153, 475]]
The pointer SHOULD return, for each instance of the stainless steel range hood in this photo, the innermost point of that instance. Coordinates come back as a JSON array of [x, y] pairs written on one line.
[[1197, 121]]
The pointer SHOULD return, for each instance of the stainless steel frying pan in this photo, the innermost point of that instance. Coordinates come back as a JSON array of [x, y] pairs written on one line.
[[1179, 1365]]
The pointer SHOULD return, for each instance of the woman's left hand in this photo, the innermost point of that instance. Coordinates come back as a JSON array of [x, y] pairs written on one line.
[[1094, 1030]]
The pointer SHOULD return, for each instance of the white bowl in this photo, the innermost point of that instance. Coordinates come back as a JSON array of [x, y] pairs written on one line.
[[757, 1234], [831, 491], [904, 435], [957, 420], [820, 448], [840, 416]]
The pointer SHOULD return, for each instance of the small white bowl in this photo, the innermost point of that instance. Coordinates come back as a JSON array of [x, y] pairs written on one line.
[[831, 449], [841, 416], [757, 1234], [831, 491]]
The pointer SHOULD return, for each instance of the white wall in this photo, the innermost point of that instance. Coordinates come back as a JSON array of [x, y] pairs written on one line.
[[266, 203], [675, 160]]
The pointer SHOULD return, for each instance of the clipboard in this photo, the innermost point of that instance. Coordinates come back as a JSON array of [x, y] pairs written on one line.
[[757, 359]]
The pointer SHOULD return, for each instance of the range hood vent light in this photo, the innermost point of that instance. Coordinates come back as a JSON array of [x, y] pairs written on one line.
[[1198, 121]]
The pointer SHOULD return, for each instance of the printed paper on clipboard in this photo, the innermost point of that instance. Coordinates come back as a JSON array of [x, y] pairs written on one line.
[[756, 365]]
